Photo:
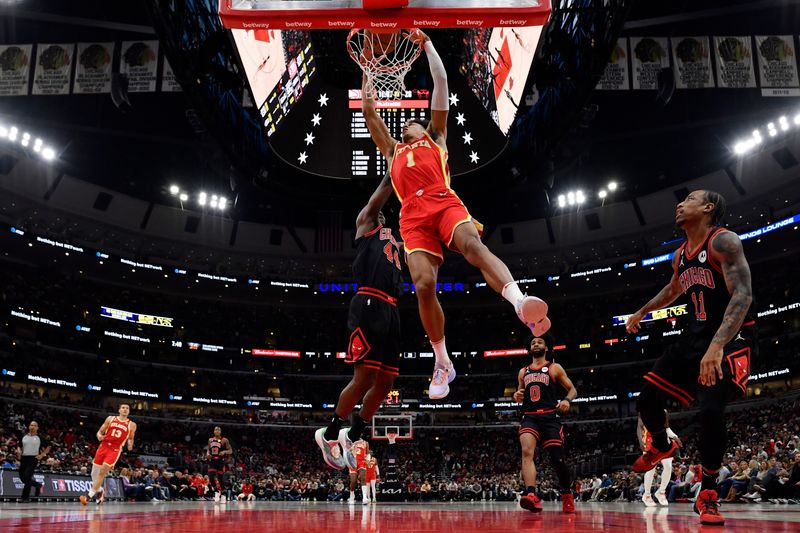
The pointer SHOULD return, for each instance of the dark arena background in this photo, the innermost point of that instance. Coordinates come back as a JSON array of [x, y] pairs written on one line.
[[179, 187]]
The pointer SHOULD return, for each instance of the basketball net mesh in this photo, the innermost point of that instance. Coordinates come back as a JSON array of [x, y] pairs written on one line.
[[385, 58], [392, 437]]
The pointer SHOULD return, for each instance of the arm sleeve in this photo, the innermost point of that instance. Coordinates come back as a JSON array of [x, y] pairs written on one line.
[[671, 434], [440, 99]]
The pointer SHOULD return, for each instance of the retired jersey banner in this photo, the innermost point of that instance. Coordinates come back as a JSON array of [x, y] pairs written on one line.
[[15, 68], [777, 61], [735, 62], [93, 68], [692, 62], [139, 60], [648, 56], [168, 82], [616, 76], [53, 68]]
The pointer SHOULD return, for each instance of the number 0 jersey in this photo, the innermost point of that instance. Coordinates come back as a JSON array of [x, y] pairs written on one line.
[[542, 392]]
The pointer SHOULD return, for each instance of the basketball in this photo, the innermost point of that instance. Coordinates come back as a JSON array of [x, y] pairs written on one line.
[[380, 42]]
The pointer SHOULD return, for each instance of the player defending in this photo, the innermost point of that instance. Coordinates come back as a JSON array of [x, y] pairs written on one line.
[[541, 394], [113, 434], [666, 468], [218, 448], [373, 473], [432, 214], [374, 324], [710, 361]]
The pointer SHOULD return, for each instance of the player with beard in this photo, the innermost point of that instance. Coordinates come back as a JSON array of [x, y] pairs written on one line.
[[218, 448], [710, 362], [541, 391]]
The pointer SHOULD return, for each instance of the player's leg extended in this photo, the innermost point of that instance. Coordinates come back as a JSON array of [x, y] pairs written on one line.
[[647, 497], [532, 311], [363, 379], [651, 408], [556, 453], [99, 474], [381, 386], [424, 269], [528, 444]]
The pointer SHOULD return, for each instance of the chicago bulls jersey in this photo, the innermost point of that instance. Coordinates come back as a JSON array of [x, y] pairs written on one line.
[[701, 279], [542, 393], [377, 262], [417, 166], [117, 432], [215, 446]]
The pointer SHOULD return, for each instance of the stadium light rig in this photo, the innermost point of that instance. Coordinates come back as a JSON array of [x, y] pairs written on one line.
[[12, 134], [578, 197], [783, 124], [214, 201]]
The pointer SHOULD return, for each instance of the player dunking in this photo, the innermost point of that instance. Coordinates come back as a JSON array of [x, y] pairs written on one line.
[[113, 434], [432, 214], [710, 362], [645, 439], [374, 324], [371, 479], [541, 387], [218, 448], [358, 474]]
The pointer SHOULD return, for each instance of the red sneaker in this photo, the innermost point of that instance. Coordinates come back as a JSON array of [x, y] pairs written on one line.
[[567, 503], [652, 457], [531, 502], [707, 507]]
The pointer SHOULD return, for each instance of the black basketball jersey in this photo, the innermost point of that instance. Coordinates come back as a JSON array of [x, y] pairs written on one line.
[[542, 392], [377, 262], [215, 447], [701, 279]]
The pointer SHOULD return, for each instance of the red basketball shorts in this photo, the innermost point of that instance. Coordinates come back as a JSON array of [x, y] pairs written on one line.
[[107, 454]]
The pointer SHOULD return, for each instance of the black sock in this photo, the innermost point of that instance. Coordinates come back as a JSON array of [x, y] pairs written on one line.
[[709, 480], [332, 431], [530, 490], [358, 428], [660, 440]]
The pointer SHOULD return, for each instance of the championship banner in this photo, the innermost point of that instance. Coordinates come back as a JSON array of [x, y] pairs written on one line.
[[734, 62], [53, 68], [648, 56], [692, 63], [777, 62], [616, 76], [93, 68], [139, 60], [168, 82], [15, 68]]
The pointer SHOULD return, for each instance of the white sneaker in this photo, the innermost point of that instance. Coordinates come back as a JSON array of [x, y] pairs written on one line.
[[533, 312], [216, 497], [347, 445], [440, 382], [352, 498], [662, 498], [648, 501], [224, 499], [331, 450], [365, 501]]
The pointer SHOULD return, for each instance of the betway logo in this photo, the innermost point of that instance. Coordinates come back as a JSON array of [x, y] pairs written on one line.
[[297, 24], [469, 22], [340, 24], [513, 22], [382, 24], [254, 25], [427, 23]]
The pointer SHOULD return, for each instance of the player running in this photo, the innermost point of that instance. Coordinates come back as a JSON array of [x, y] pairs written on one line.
[[113, 434], [541, 391], [432, 214]]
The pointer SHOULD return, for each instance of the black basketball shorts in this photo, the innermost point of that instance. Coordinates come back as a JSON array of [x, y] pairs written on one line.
[[374, 326], [548, 431]]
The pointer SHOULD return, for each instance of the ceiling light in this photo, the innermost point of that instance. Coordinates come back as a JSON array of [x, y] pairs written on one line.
[[773, 133], [183, 197], [3, 132], [37, 148], [602, 194], [223, 202], [740, 147], [37, 142], [562, 200], [771, 126], [214, 203], [797, 119], [783, 120], [174, 190], [48, 154], [201, 199], [612, 186], [25, 142], [26, 136], [579, 197]]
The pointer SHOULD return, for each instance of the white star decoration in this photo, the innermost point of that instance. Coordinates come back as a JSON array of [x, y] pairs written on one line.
[[303, 156], [316, 119], [461, 119], [309, 138], [467, 138], [454, 99], [323, 99], [474, 157]]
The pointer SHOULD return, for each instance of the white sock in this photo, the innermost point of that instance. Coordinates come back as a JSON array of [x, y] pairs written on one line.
[[665, 474], [365, 491], [91, 492], [512, 293], [648, 482], [440, 351]]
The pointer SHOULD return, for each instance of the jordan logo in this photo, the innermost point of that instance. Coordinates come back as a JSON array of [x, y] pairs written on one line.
[[739, 337]]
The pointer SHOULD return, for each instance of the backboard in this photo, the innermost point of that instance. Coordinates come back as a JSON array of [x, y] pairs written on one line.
[[400, 425]]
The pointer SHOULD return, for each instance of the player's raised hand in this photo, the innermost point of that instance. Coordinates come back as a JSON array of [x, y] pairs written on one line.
[[417, 36], [632, 324], [519, 395]]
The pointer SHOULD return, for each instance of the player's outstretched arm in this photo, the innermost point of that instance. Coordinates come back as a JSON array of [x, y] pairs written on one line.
[[440, 100], [101, 433], [131, 435], [666, 296], [367, 219], [377, 127]]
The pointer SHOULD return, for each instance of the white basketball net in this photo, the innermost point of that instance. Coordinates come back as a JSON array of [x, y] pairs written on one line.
[[385, 59], [392, 437]]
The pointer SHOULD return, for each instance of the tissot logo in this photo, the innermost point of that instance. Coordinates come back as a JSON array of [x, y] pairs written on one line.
[[70, 485]]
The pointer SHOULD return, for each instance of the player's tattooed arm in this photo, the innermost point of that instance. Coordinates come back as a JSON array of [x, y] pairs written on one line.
[[727, 249], [666, 296]]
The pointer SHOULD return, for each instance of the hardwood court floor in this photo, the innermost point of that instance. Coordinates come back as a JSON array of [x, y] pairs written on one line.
[[313, 517]]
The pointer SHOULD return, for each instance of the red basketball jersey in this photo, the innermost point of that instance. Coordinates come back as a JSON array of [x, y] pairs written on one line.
[[117, 432], [419, 165], [360, 452]]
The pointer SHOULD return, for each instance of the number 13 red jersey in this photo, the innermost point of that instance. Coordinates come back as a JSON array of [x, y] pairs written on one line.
[[117, 432]]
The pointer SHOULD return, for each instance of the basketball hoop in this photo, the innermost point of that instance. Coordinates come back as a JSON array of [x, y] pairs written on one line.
[[385, 58], [392, 437]]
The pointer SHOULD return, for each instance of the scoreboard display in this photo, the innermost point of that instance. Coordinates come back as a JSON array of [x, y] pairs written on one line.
[[393, 398]]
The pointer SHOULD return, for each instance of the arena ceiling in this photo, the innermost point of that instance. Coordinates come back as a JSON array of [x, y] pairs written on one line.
[[629, 136]]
